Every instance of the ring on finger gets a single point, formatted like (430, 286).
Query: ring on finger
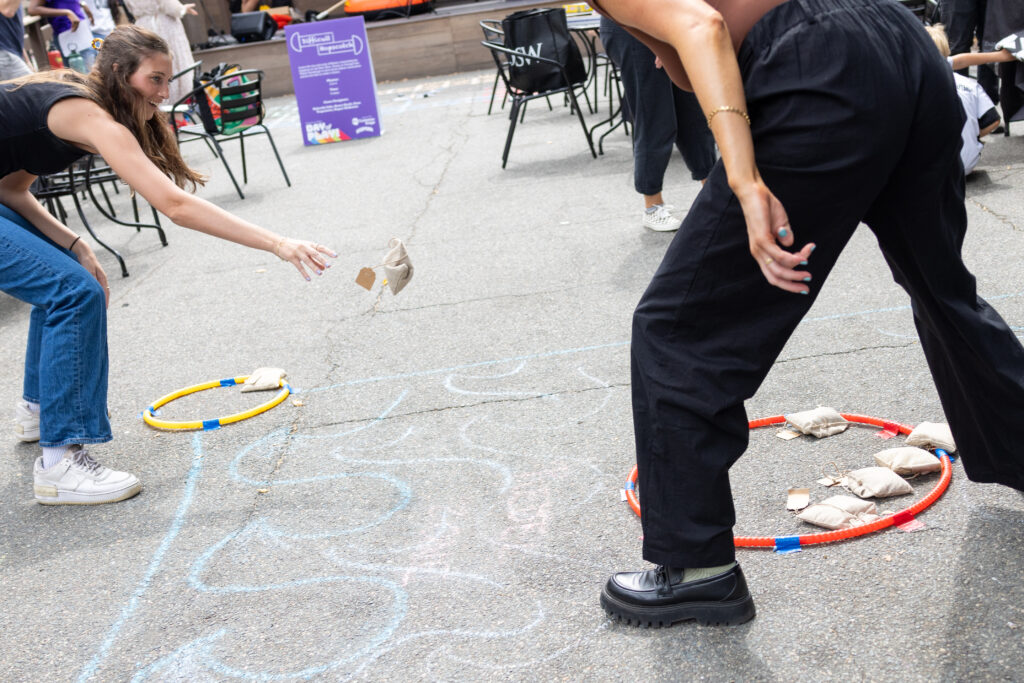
(768, 261)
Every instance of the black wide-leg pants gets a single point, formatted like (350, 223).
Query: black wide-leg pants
(855, 119)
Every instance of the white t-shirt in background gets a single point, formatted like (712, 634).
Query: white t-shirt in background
(977, 105)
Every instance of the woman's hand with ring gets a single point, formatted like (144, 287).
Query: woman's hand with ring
(303, 255)
(769, 231)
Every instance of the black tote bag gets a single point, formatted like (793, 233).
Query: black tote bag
(541, 33)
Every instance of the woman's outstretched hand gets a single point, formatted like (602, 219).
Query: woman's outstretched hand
(768, 228)
(303, 255)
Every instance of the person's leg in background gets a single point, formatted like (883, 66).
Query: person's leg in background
(965, 21)
(65, 366)
(693, 137)
(648, 93)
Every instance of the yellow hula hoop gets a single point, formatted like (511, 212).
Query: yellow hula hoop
(215, 423)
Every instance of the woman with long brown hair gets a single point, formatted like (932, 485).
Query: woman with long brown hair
(47, 121)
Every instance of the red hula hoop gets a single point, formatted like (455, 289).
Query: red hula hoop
(900, 517)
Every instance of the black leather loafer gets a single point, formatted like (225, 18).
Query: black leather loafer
(658, 597)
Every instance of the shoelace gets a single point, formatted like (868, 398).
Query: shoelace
(661, 575)
(86, 461)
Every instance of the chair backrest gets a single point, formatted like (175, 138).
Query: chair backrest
(542, 33)
(493, 32)
(241, 100)
(229, 99)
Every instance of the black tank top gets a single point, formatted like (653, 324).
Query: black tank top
(26, 144)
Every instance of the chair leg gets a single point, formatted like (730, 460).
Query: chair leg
(583, 124)
(278, 156)
(231, 175)
(106, 197)
(494, 91)
(81, 215)
(241, 146)
(138, 224)
(159, 228)
(511, 130)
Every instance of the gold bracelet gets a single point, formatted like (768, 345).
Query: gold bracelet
(278, 246)
(734, 110)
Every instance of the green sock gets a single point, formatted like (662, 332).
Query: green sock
(705, 572)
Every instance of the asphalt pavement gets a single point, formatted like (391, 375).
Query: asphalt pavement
(442, 496)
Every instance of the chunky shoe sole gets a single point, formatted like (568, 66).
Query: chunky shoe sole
(732, 613)
(50, 495)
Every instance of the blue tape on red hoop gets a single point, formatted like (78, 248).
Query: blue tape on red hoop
(629, 486)
(939, 452)
(787, 544)
(211, 424)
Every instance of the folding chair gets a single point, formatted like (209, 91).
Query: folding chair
(240, 116)
(522, 92)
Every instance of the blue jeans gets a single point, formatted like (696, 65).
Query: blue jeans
(66, 360)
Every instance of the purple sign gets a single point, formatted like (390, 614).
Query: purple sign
(333, 78)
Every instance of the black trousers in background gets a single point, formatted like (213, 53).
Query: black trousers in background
(662, 114)
(965, 20)
(855, 118)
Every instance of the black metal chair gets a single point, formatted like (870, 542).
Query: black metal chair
(82, 178)
(240, 117)
(521, 92)
(493, 33)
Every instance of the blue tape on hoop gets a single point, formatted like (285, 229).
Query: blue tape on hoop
(629, 486)
(939, 452)
(211, 424)
(229, 382)
(787, 544)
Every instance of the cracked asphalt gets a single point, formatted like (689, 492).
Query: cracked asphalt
(442, 496)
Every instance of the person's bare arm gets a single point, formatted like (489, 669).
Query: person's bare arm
(966, 59)
(38, 8)
(250, 5)
(989, 128)
(85, 124)
(699, 37)
(9, 8)
(15, 194)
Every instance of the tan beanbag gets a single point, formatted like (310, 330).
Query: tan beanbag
(840, 512)
(932, 435)
(908, 460)
(876, 482)
(820, 422)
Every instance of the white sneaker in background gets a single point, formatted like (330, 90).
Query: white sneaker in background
(26, 422)
(660, 219)
(79, 480)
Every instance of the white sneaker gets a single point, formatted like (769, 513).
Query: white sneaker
(79, 480)
(661, 219)
(26, 422)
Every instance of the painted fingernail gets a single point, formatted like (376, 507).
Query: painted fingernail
(803, 263)
(307, 278)
(807, 279)
(813, 247)
(783, 232)
(803, 292)
(320, 272)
